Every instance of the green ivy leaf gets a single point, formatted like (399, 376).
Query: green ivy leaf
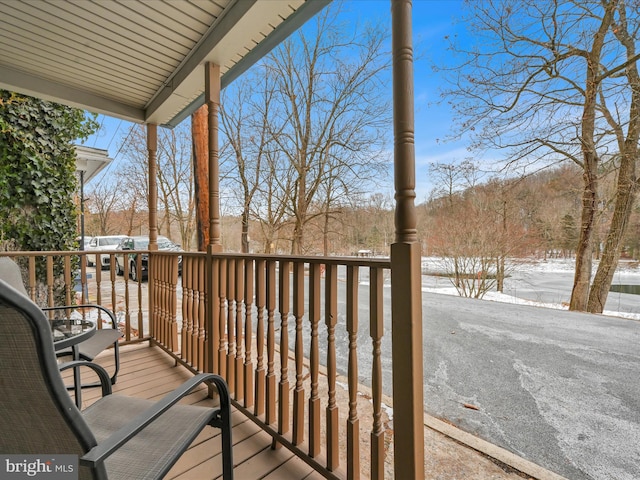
(37, 170)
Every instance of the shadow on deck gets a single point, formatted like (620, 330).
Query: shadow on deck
(148, 372)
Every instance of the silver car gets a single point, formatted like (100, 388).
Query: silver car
(141, 243)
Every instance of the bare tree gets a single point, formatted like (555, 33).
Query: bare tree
(374, 218)
(453, 177)
(557, 80)
(244, 120)
(105, 200)
(451, 180)
(175, 177)
(271, 198)
(504, 201)
(175, 181)
(464, 239)
(325, 121)
(332, 117)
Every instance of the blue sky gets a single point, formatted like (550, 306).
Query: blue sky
(432, 20)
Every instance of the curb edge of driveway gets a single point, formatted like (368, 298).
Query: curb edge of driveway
(498, 453)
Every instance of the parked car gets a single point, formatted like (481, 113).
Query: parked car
(105, 242)
(85, 245)
(141, 243)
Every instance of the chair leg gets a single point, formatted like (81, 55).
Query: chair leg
(227, 448)
(223, 421)
(116, 356)
(77, 387)
(116, 359)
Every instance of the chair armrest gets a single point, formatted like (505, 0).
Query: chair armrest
(100, 452)
(105, 380)
(110, 314)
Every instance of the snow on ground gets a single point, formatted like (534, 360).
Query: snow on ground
(630, 270)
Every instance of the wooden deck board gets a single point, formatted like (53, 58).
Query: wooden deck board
(293, 467)
(148, 372)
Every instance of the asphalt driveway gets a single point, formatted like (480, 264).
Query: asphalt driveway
(559, 388)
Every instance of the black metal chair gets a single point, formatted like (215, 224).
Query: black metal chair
(101, 340)
(117, 437)
(88, 349)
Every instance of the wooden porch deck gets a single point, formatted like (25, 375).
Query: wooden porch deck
(148, 372)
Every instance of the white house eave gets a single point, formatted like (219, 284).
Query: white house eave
(27, 84)
(64, 54)
(286, 28)
(91, 161)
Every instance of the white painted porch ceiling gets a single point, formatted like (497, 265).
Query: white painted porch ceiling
(141, 60)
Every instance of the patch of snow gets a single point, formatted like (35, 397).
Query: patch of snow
(555, 265)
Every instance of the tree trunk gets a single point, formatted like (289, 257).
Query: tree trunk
(627, 185)
(244, 235)
(625, 197)
(199, 130)
(325, 235)
(584, 252)
(296, 241)
(500, 273)
(500, 264)
(131, 213)
(301, 214)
